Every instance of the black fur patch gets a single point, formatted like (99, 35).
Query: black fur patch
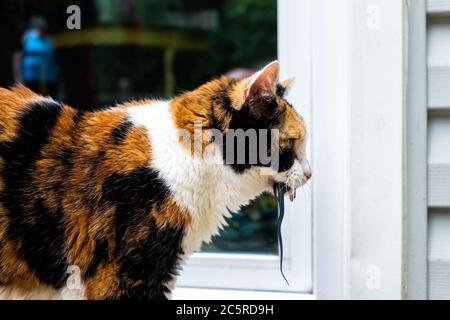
(78, 116)
(37, 230)
(145, 264)
(281, 91)
(43, 245)
(220, 100)
(255, 115)
(120, 132)
(287, 158)
(101, 254)
(155, 261)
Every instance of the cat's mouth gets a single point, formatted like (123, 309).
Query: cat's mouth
(290, 185)
(289, 181)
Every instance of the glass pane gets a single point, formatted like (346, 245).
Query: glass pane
(131, 49)
(252, 230)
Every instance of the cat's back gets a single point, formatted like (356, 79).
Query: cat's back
(55, 164)
(12, 102)
(27, 122)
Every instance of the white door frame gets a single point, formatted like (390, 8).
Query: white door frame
(417, 227)
(359, 78)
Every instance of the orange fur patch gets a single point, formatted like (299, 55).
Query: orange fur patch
(103, 282)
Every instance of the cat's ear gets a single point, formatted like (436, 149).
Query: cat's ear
(263, 82)
(260, 84)
(284, 86)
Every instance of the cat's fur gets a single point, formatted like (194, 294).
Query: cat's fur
(116, 196)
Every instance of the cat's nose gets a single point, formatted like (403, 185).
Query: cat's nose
(307, 175)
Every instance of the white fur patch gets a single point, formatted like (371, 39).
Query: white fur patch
(13, 293)
(209, 191)
(45, 293)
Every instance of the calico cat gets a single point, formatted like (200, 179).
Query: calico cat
(119, 196)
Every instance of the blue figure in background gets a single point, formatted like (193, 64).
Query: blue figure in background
(38, 70)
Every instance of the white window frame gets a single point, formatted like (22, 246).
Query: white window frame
(258, 271)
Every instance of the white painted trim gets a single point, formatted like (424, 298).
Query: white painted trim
(330, 108)
(359, 148)
(258, 272)
(417, 231)
(294, 38)
(378, 149)
(220, 294)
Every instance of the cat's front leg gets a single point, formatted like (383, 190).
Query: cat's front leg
(109, 284)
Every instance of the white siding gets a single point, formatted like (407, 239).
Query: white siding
(439, 254)
(439, 149)
(438, 7)
(439, 162)
(439, 63)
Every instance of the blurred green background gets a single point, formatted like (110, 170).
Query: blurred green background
(130, 49)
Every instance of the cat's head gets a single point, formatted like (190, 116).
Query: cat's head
(255, 113)
(258, 130)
